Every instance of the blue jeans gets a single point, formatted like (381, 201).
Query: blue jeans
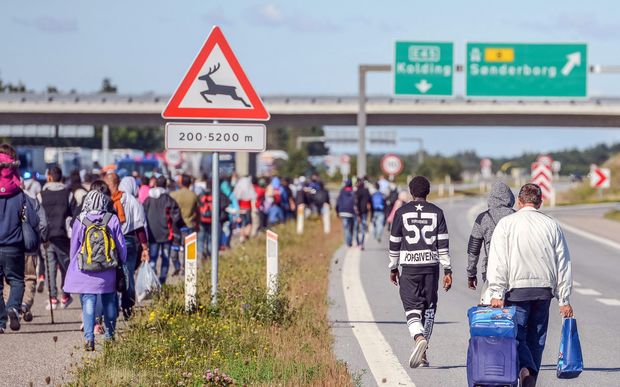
(110, 313)
(12, 265)
(359, 229)
(347, 224)
(532, 320)
(128, 297)
(378, 220)
(204, 240)
(154, 252)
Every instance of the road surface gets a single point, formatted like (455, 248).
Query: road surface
(372, 337)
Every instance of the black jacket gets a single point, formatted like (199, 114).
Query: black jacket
(55, 200)
(163, 216)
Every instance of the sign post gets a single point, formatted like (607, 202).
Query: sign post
(272, 263)
(301, 215)
(600, 177)
(191, 271)
(526, 70)
(423, 68)
(215, 88)
(542, 175)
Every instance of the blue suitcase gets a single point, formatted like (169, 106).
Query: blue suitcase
(492, 361)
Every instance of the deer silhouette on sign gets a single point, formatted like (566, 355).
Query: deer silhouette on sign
(215, 89)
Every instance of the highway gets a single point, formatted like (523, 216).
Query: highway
(372, 337)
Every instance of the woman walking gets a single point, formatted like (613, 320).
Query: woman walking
(97, 246)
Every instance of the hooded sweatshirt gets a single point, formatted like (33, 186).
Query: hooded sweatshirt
(163, 216)
(501, 200)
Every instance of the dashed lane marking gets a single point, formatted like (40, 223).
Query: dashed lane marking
(588, 292)
(609, 301)
(592, 237)
(385, 367)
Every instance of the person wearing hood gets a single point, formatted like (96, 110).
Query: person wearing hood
(246, 195)
(133, 230)
(501, 201)
(14, 205)
(233, 214)
(163, 218)
(56, 201)
(345, 210)
(91, 284)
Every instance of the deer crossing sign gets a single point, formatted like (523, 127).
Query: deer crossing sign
(216, 87)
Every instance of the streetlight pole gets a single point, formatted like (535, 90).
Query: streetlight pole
(361, 114)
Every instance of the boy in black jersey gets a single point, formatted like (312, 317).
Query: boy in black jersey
(419, 243)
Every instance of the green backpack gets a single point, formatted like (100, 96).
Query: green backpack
(98, 251)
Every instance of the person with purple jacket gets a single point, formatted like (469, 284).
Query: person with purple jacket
(89, 284)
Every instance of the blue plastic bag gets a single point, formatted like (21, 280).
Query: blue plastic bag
(570, 360)
(492, 322)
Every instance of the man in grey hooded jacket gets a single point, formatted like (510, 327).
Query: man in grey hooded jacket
(501, 200)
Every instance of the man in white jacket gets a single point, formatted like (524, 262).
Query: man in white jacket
(529, 264)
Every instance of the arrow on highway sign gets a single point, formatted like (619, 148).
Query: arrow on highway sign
(600, 178)
(216, 87)
(423, 86)
(574, 59)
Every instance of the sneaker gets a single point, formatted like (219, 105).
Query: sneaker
(14, 319)
(41, 284)
(52, 303)
(89, 346)
(66, 300)
(26, 313)
(425, 362)
(418, 351)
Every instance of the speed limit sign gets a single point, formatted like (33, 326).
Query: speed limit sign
(391, 165)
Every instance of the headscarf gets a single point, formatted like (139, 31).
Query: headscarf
(128, 185)
(9, 175)
(94, 203)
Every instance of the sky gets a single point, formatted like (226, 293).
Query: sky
(297, 48)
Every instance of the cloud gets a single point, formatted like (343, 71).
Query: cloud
(217, 16)
(48, 24)
(270, 15)
(583, 25)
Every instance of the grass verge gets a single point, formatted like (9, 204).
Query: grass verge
(613, 215)
(248, 337)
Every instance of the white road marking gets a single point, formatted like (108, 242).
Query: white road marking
(575, 283)
(474, 211)
(592, 237)
(609, 301)
(588, 292)
(383, 363)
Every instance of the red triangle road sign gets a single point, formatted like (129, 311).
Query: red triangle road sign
(216, 87)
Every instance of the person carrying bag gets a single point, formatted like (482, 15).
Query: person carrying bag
(97, 250)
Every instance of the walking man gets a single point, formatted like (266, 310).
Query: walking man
(378, 213)
(529, 264)
(362, 208)
(501, 200)
(163, 220)
(56, 201)
(419, 243)
(345, 209)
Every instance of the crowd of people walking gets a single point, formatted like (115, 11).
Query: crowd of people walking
(87, 234)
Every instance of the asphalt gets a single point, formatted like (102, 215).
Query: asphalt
(596, 301)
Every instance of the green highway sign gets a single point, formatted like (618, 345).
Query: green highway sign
(526, 70)
(423, 68)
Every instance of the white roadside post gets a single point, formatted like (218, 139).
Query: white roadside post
(191, 271)
(301, 215)
(272, 263)
(327, 224)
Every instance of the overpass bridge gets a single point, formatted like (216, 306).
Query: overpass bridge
(145, 110)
